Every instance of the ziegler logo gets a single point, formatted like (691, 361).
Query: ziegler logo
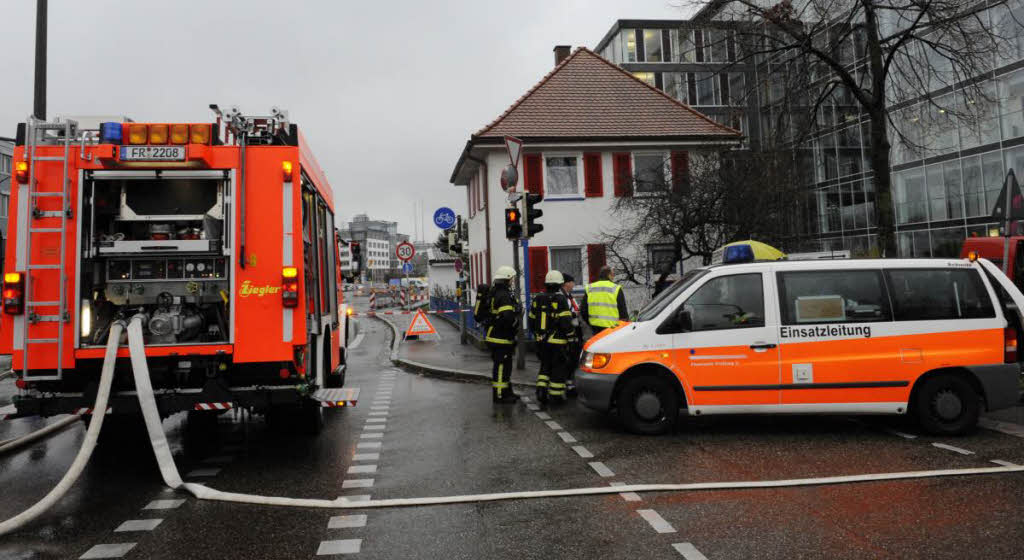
(248, 289)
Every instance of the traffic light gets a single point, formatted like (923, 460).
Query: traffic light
(454, 244)
(513, 225)
(532, 227)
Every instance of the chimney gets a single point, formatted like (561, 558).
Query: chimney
(562, 53)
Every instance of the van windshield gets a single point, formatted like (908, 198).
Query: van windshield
(658, 304)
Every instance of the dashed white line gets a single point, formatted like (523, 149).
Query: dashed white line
(1004, 463)
(566, 437)
(164, 504)
(582, 451)
(368, 445)
(628, 496)
(366, 457)
(357, 483)
(374, 435)
(108, 550)
(903, 435)
(379, 407)
(656, 521)
(138, 525)
(347, 546)
(688, 551)
(543, 415)
(198, 473)
(379, 413)
(533, 407)
(952, 448)
(601, 469)
(346, 521)
(376, 420)
(554, 425)
(357, 469)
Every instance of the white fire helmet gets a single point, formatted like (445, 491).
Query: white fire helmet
(504, 273)
(554, 277)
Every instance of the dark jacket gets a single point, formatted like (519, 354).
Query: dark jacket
(551, 315)
(504, 316)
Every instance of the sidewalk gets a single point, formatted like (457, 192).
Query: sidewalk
(446, 357)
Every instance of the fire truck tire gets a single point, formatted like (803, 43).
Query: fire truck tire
(200, 424)
(310, 417)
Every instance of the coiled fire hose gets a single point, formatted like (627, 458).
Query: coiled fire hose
(172, 477)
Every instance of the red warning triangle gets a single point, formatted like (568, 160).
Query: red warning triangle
(420, 325)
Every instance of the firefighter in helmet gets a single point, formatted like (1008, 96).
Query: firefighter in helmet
(551, 314)
(503, 326)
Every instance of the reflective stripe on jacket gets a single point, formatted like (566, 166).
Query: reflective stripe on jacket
(603, 303)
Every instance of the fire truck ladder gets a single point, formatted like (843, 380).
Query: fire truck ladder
(62, 134)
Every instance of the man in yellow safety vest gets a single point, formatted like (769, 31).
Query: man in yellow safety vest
(604, 304)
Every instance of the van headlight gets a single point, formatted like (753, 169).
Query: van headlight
(592, 360)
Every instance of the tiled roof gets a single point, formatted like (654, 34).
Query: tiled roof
(587, 96)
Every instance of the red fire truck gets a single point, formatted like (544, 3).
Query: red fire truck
(220, 234)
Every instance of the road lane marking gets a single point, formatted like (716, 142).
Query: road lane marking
(356, 341)
(368, 445)
(376, 420)
(951, 448)
(1004, 463)
(582, 451)
(108, 550)
(138, 525)
(533, 407)
(628, 496)
(688, 551)
(379, 413)
(566, 437)
(357, 469)
(601, 469)
(903, 435)
(346, 546)
(543, 415)
(656, 521)
(554, 425)
(198, 473)
(346, 521)
(366, 456)
(1005, 427)
(357, 483)
(374, 435)
(379, 407)
(164, 504)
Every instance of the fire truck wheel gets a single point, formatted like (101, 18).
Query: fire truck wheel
(310, 417)
(648, 405)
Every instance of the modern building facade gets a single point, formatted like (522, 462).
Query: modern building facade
(946, 174)
(592, 133)
(378, 240)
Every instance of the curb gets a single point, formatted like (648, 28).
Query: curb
(438, 371)
(6, 374)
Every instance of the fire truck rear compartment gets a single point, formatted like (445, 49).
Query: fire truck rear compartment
(156, 245)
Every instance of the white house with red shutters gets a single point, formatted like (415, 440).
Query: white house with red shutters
(591, 132)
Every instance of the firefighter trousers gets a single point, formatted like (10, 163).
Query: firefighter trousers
(501, 372)
(554, 369)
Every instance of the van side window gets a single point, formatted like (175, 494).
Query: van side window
(727, 302)
(832, 296)
(920, 294)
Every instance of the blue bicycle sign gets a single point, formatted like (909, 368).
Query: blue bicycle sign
(444, 217)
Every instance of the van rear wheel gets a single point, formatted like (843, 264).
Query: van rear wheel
(947, 405)
(648, 405)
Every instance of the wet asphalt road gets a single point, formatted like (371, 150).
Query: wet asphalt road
(446, 438)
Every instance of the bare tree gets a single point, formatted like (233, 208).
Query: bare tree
(723, 197)
(868, 58)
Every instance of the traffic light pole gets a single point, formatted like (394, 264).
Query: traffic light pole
(520, 345)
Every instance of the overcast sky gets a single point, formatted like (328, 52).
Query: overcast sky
(387, 92)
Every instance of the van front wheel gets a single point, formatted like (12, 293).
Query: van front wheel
(947, 405)
(648, 405)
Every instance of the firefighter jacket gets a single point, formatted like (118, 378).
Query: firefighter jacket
(504, 317)
(604, 304)
(552, 317)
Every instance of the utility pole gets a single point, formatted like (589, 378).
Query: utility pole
(39, 105)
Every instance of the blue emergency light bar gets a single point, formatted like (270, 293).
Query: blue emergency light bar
(110, 133)
(738, 254)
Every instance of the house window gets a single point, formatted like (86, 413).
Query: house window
(708, 92)
(568, 260)
(651, 172)
(661, 259)
(629, 45)
(646, 77)
(684, 47)
(562, 176)
(652, 45)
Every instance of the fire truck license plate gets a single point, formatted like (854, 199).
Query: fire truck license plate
(152, 153)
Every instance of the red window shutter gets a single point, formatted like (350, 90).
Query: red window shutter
(680, 171)
(533, 172)
(595, 260)
(538, 268)
(623, 170)
(592, 180)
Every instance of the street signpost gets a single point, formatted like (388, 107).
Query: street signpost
(405, 252)
(514, 146)
(509, 179)
(444, 217)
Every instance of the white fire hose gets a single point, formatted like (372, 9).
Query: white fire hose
(172, 478)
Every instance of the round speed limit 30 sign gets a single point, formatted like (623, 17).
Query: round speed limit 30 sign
(405, 251)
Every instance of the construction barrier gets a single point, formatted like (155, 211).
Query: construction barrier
(406, 312)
